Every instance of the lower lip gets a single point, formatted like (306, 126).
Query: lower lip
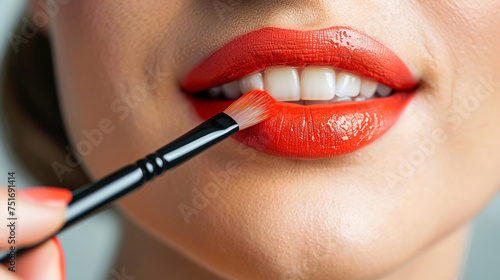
(316, 131)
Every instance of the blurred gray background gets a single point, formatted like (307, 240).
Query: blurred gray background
(90, 245)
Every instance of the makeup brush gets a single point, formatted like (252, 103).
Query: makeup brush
(251, 109)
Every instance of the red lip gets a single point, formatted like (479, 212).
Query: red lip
(313, 131)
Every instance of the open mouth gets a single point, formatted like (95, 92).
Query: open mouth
(339, 89)
(304, 86)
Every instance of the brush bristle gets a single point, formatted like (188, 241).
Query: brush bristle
(252, 108)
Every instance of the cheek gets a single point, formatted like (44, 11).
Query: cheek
(467, 95)
(470, 30)
(110, 75)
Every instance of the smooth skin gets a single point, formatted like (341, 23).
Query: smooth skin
(396, 209)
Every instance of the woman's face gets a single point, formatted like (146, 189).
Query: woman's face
(250, 214)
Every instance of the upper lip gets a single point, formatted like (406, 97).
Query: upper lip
(339, 47)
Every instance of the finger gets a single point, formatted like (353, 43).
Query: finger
(36, 214)
(45, 262)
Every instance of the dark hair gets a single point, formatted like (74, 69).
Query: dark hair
(33, 124)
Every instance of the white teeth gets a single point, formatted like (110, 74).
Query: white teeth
(231, 90)
(383, 90)
(317, 83)
(282, 83)
(251, 82)
(368, 88)
(307, 86)
(214, 92)
(348, 85)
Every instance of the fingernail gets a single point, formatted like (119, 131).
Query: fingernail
(62, 260)
(56, 197)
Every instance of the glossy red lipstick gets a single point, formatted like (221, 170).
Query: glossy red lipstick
(308, 131)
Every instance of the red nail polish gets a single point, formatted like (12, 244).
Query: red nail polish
(62, 260)
(47, 195)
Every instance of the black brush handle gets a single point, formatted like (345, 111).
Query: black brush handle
(95, 196)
